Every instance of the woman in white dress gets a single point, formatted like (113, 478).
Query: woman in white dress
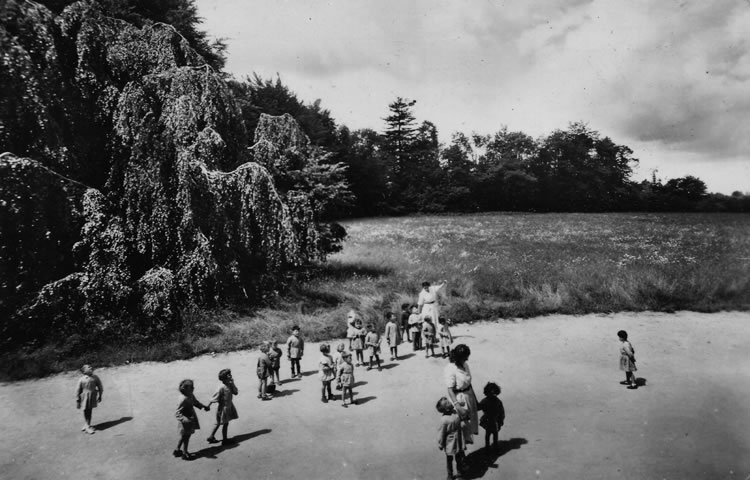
(429, 300)
(458, 381)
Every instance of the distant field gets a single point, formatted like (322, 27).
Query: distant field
(497, 266)
(508, 265)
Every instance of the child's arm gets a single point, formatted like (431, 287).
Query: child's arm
(99, 387)
(442, 434)
(215, 397)
(233, 387)
(199, 404)
(501, 414)
(79, 390)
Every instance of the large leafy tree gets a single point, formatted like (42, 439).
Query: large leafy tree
(177, 214)
(580, 171)
(181, 14)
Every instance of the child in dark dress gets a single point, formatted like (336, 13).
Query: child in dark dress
(494, 414)
(187, 420)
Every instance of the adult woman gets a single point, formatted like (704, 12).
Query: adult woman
(429, 300)
(458, 381)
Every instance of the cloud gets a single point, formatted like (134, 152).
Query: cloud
(661, 72)
(671, 77)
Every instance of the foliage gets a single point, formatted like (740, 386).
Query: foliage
(163, 208)
(182, 15)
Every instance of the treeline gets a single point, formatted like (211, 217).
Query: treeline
(405, 168)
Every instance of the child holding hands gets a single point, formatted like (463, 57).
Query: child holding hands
(186, 418)
(226, 411)
(88, 396)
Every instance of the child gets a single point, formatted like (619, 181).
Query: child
(494, 414)
(326, 372)
(450, 436)
(372, 342)
(405, 313)
(392, 335)
(295, 348)
(358, 342)
(415, 327)
(627, 360)
(88, 396)
(263, 370)
(428, 337)
(226, 411)
(345, 375)
(446, 339)
(351, 319)
(274, 353)
(338, 357)
(186, 418)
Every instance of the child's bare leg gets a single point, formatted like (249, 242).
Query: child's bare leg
(212, 438)
(486, 439)
(494, 439)
(395, 352)
(225, 431)
(330, 392)
(87, 416)
(370, 366)
(185, 442)
(323, 393)
(449, 465)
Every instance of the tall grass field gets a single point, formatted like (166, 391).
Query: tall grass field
(497, 266)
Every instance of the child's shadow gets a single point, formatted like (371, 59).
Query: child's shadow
(211, 452)
(284, 393)
(307, 374)
(408, 355)
(388, 366)
(359, 384)
(112, 423)
(363, 400)
(478, 462)
(640, 381)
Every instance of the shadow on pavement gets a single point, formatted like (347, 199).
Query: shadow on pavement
(112, 423)
(363, 400)
(212, 452)
(285, 393)
(478, 462)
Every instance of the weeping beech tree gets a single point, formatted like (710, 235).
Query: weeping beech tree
(129, 191)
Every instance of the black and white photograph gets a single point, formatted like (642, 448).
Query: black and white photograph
(374, 240)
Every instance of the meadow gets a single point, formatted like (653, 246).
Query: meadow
(498, 266)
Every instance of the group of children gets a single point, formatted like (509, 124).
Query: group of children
(452, 432)
(421, 332)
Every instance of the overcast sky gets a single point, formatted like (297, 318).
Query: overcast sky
(670, 79)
